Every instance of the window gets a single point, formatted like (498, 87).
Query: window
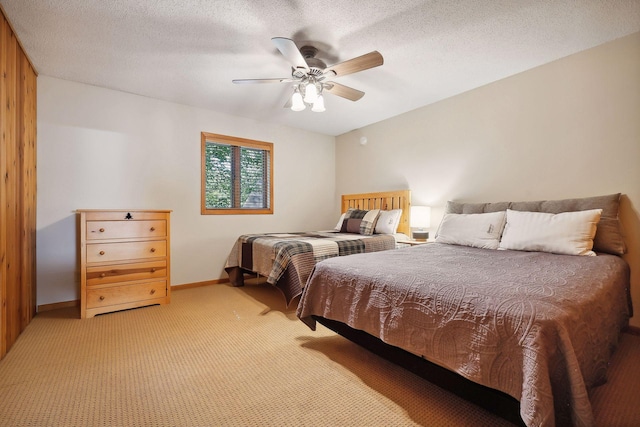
(237, 175)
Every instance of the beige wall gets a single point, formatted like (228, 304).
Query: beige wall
(570, 128)
(100, 148)
(567, 129)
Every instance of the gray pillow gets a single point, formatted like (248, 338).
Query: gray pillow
(608, 237)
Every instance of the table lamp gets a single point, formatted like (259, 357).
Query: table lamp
(420, 219)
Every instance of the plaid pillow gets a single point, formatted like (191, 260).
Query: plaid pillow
(360, 221)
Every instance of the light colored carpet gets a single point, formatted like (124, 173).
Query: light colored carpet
(223, 356)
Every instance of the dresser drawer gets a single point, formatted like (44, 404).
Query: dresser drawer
(126, 294)
(124, 272)
(122, 215)
(103, 252)
(125, 229)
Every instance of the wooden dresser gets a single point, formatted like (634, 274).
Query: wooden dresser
(124, 259)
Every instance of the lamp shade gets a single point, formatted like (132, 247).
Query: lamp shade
(310, 93)
(420, 217)
(318, 106)
(296, 102)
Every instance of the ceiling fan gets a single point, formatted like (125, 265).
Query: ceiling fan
(310, 75)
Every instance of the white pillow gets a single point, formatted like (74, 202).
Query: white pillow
(338, 226)
(481, 230)
(569, 233)
(388, 221)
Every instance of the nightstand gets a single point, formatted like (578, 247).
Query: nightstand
(413, 242)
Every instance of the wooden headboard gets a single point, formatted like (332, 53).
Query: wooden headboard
(385, 200)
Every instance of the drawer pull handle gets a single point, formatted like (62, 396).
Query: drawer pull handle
(101, 298)
(153, 229)
(101, 252)
(153, 249)
(153, 291)
(153, 270)
(101, 230)
(103, 275)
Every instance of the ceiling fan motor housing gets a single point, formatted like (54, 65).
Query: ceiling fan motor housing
(316, 65)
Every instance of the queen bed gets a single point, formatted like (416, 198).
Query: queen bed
(370, 222)
(502, 299)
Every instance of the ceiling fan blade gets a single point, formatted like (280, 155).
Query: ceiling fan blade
(343, 91)
(290, 51)
(364, 62)
(250, 81)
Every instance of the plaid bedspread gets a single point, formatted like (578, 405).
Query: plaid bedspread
(270, 255)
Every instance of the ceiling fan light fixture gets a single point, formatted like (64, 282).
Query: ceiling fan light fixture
(318, 106)
(296, 102)
(309, 74)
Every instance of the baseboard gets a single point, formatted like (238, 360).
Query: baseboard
(57, 305)
(198, 284)
(76, 303)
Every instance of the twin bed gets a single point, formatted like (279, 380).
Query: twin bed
(286, 259)
(502, 299)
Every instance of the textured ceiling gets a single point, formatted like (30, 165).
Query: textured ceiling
(188, 51)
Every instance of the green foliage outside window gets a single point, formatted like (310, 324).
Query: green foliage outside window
(236, 175)
(218, 185)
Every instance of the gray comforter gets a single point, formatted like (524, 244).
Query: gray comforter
(537, 326)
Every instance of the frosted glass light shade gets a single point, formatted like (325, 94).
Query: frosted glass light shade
(318, 106)
(310, 93)
(296, 102)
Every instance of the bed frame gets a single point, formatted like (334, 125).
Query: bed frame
(386, 200)
(492, 400)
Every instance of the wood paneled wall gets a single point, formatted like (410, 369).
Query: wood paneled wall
(17, 188)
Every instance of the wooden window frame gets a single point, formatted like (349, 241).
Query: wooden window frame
(236, 142)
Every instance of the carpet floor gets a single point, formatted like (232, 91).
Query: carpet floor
(224, 356)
